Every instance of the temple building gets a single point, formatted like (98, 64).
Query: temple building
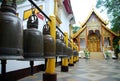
(94, 34)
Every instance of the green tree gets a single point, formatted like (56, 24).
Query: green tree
(113, 10)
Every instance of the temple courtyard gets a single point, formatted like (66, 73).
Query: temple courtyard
(85, 70)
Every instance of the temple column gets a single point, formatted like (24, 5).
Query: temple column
(111, 42)
(102, 38)
(86, 39)
(78, 43)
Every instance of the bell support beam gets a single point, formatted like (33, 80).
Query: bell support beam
(50, 74)
(64, 67)
(71, 58)
(31, 67)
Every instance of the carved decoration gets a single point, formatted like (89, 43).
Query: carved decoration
(94, 23)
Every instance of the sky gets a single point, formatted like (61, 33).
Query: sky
(81, 9)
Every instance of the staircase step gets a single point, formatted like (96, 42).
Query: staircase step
(97, 55)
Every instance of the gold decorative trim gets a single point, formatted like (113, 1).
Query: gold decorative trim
(55, 7)
(58, 20)
(56, 2)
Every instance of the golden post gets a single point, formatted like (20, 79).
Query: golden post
(50, 68)
(74, 57)
(64, 67)
(66, 42)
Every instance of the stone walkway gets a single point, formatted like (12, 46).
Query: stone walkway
(86, 70)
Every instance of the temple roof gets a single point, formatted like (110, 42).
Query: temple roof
(78, 32)
(109, 30)
(89, 15)
(81, 29)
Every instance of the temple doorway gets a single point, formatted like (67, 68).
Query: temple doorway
(93, 43)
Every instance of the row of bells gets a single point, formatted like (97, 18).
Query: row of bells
(29, 44)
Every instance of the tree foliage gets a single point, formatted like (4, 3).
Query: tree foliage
(113, 10)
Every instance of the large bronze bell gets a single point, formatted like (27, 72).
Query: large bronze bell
(59, 48)
(70, 52)
(49, 43)
(64, 48)
(32, 40)
(75, 53)
(11, 32)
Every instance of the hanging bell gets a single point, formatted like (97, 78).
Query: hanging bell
(75, 52)
(69, 53)
(32, 40)
(49, 43)
(11, 34)
(59, 48)
(64, 48)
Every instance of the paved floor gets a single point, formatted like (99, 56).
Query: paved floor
(86, 70)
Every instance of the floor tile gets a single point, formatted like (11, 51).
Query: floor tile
(85, 70)
(110, 79)
(92, 76)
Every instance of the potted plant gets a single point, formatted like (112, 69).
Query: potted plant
(87, 53)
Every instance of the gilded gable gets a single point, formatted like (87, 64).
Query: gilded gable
(93, 23)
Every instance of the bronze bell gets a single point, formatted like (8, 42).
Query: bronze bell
(64, 48)
(75, 52)
(69, 50)
(11, 32)
(49, 43)
(32, 40)
(59, 48)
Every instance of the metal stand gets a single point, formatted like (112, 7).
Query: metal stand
(64, 68)
(31, 67)
(45, 64)
(49, 77)
(3, 70)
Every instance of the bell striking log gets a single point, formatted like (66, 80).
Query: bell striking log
(32, 40)
(49, 43)
(11, 33)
